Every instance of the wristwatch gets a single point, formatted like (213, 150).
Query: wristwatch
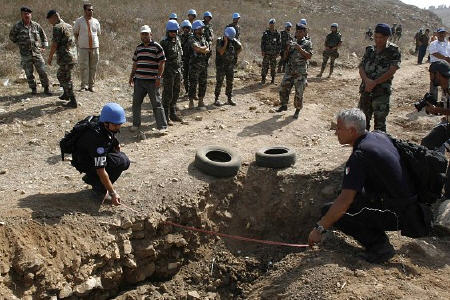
(320, 228)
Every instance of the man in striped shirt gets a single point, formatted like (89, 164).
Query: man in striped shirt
(148, 65)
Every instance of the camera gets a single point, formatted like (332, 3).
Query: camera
(428, 98)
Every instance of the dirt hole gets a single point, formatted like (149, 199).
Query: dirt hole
(218, 156)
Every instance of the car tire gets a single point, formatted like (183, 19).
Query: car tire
(217, 161)
(276, 157)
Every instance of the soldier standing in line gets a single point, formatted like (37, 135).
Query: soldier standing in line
(31, 39)
(286, 37)
(227, 51)
(63, 43)
(192, 14)
(198, 65)
(398, 32)
(173, 16)
(270, 47)
(171, 45)
(235, 24)
(299, 51)
(393, 29)
(332, 43)
(208, 30)
(377, 69)
(185, 37)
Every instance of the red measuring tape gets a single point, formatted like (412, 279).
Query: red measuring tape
(236, 237)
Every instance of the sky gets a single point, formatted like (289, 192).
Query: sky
(426, 3)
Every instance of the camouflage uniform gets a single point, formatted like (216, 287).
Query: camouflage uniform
(296, 73)
(375, 65)
(286, 37)
(198, 68)
(208, 33)
(66, 54)
(172, 74)
(30, 41)
(237, 27)
(270, 46)
(186, 56)
(332, 40)
(225, 65)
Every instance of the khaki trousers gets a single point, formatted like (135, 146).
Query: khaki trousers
(88, 60)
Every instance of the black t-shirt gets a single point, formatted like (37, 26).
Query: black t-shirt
(93, 146)
(375, 167)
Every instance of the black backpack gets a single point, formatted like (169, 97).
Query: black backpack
(426, 168)
(68, 142)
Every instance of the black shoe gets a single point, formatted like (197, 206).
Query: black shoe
(231, 102)
(263, 80)
(47, 91)
(173, 116)
(282, 108)
(72, 103)
(64, 96)
(34, 91)
(297, 111)
(217, 103)
(380, 253)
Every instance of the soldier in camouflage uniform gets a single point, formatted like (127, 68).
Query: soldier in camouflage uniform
(299, 51)
(198, 64)
(377, 69)
(270, 47)
(185, 37)
(332, 43)
(171, 45)
(236, 17)
(208, 30)
(63, 43)
(227, 51)
(286, 37)
(31, 39)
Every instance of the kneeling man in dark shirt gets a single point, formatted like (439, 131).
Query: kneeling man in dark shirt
(377, 194)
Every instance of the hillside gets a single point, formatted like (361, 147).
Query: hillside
(443, 13)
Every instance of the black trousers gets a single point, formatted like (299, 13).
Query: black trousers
(435, 141)
(421, 55)
(116, 163)
(366, 221)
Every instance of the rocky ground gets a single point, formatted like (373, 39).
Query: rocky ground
(57, 240)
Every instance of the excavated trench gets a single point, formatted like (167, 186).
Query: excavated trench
(91, 260)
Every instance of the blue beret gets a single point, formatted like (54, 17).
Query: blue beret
(383, 28)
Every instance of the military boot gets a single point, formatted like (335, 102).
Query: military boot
(191, 103)
(321, 71)
(166, 113)
(173, 115)
(201, 104)
(273, 80)
(263, 80)
(64, 95)
(331, 71)
(217, 102)
(33, 91)
(297, 111)
(282, 108)
(47, 91)
(72, 103)
(231, 102)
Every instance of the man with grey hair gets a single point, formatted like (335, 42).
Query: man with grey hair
(377, 194)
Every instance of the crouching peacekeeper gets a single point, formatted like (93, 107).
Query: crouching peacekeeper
(439, 136)
(332, 43)
(63, 43)
(227, 51)
(377, 194)
(171, 45)
(377, 69)
(98, 153)
(298, 53)
(32, 41)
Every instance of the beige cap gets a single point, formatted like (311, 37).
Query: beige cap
(146, 28)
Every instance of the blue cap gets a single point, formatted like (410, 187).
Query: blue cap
(172, 25)
(236, 15)
(173, 16)
(230, 32)
(383, 28)
(186, 23)
(112, 113)
(441, 29)
(197, 25)
(288, 24)
(303, 21)
(272, 21)
(207, 14)
(192, 12)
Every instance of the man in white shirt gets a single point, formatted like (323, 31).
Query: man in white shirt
(86, 31)
(439, 51)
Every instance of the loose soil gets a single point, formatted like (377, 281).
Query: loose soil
(57, 240)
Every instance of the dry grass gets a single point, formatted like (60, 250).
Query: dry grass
(121, 20)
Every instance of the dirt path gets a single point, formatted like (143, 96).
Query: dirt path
(35, 185)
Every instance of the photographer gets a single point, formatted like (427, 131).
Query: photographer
(437, 138)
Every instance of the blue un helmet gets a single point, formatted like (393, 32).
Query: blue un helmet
(207, 14)
(172, 25)
(335, 25)
(287, 24)
(185, 23)
(112, 113)
(192, 12)
(230, 32)
(197, 25)
(173, 16)
(236, 16)
(303, 21)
